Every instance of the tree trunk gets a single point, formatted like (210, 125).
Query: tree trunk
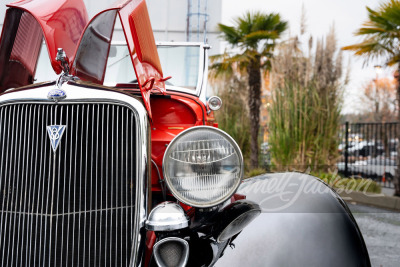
(396, 178)
(254, 83)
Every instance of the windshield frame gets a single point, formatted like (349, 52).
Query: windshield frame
(202, 68)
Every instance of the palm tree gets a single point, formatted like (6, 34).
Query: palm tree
(253, 38)
(381, 41)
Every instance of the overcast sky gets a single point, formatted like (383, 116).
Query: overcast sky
(347, 15)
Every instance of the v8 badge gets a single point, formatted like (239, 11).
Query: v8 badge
(55, 133)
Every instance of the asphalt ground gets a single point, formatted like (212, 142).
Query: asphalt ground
(381, 231)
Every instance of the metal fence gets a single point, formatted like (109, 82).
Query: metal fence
(369, 150)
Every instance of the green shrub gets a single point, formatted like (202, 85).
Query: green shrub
(306, 91)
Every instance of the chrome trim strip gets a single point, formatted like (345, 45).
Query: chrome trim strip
(1, 168)
(204, 85)
(6, 183)
(90, 96)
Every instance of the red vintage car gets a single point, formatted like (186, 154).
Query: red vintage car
(119, 162)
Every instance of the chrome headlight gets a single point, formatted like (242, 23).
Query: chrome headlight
(214, 103)
(203, 166)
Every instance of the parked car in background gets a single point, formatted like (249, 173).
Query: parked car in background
(374, 168)
(115, 163)
(366, 148)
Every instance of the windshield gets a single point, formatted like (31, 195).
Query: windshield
(44, 70)
(182, 63)
(179, 62)
(119, 66)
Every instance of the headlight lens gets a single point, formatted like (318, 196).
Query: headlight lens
(203, 166)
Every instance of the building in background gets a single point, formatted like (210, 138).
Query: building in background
(186, 20)
(172, 20)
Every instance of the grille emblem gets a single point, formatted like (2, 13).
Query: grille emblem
(55, 133)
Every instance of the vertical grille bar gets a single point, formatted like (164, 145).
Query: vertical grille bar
(93, 120)
(13, 162)
(71, 207)
(102, 206)
(56, 196)
(129, 179)
(85, 187)
(107, 189)
(28, 186)
(4, 167)
(3, 123)
(74, 188)
(112, 186)
(45, 199)
(42, 163)
(96, 194)
(63, 228)
(116, 185)
(69, 227)
(23, 191)
(80, 181)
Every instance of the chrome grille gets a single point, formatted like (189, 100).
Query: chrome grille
(74, 207)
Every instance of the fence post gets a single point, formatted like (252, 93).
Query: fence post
(346, 151)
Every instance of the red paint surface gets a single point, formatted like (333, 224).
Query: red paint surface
(236, 197)
(172, 116)
(62, 22)
(139, 37)
(150, 241)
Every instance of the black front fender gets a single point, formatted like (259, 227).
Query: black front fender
(303, 223)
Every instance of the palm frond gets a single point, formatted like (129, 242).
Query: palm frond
(229, 34)
(260, 35)
(370, 30)
(270, 22)
(369, 46)
(245, 23)
(253, 28)
(393, 60)
(226, 64)
(381, 34)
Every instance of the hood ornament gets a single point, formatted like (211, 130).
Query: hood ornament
(63, 60)
(55, 133)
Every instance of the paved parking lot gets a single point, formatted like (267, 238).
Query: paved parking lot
(381, 231)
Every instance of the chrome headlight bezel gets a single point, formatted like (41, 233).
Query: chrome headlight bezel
(212, 202)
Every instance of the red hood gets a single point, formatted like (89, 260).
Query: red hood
(60, 22)
(92, 52)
